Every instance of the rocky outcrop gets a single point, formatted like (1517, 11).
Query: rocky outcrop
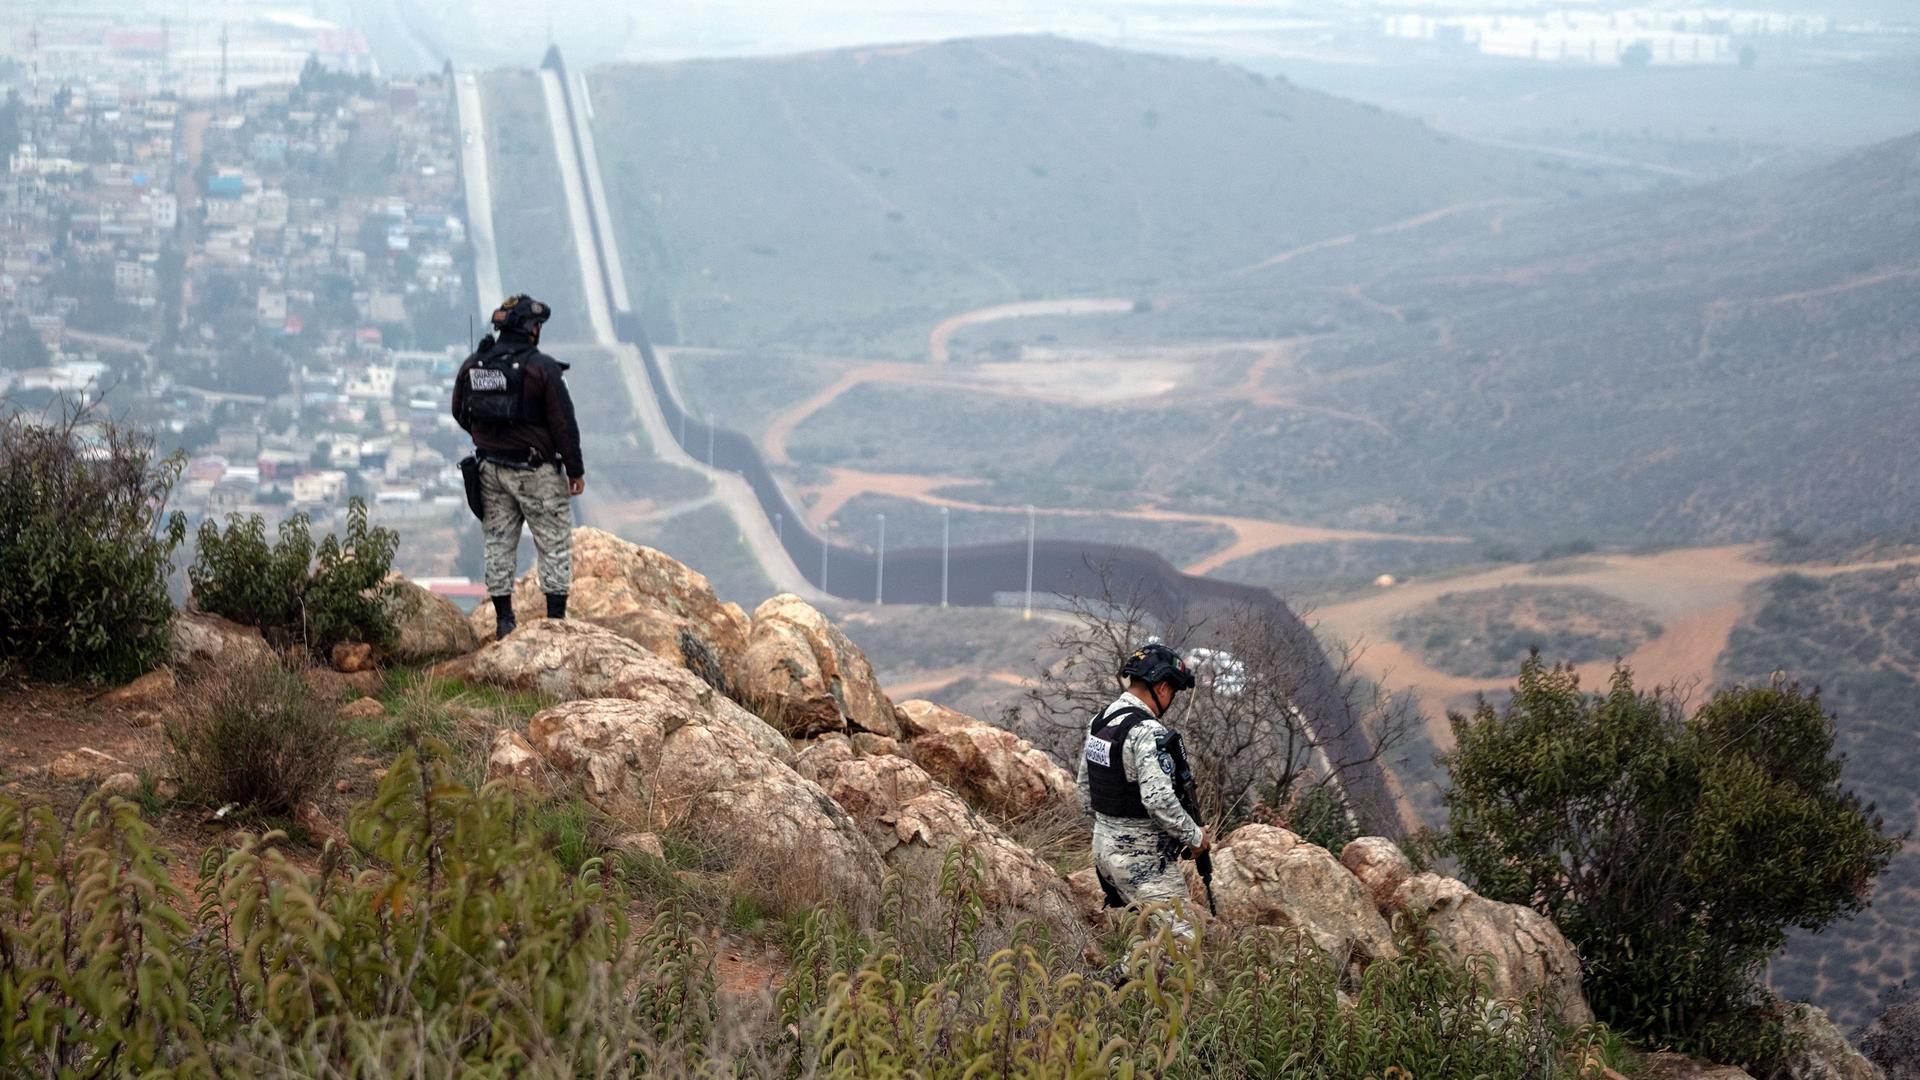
(569, 660)
(1267, 876)
(642, 594)
(1380, 865)
(429, 628)
(211, 642)
(802, 674)
(912, 821)
(683, 766)
(1522, 952)
(1823, 1052)
(511, 757)
(1892, 1040)
(995, 770)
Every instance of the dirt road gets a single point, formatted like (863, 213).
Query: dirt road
(1698, 595)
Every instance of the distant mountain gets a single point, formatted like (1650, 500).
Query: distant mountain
(851, 199)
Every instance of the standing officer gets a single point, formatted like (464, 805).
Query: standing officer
(1127, 770)
(512, 399)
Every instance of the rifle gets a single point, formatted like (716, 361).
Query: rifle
(1187, 788)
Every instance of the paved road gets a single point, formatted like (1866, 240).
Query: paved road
(733, 491)
(475, 178)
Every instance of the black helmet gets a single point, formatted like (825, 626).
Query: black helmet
(521, 314)
(1154, 663)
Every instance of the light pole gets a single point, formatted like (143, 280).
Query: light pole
(880, 567)
(1029, 611)
(826, 545)
(946, 546)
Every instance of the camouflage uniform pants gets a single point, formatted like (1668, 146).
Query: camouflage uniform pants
(539, 498)
(1143, 866)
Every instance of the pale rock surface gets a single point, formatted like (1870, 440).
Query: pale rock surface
(642, 594)
(640, 843)
(156, 687)
(993, 769)
(682, 765)
(1267, 876)
(917, 718)
(913, 821)
(569, 660)
(1825, 1053)
(123, 784)
(806, 677)
(1380, 865)
(511, 757)
(365, 708)
(429, 628)
(1528, 952)
(1084, 884)
(867, 744)
(211, 641)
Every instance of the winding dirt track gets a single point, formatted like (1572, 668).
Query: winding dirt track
(1250, 535)
(1698, 595)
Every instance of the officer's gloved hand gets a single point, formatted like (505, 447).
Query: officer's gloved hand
(1205, 845)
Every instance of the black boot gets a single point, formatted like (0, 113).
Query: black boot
(556, 605)
(503, 622)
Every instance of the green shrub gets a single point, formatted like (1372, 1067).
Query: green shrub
(1674, 853)
(463, 948)
(84, 550)
(295, 593)
(257, 737)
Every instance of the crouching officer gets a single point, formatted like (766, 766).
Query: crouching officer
(512, 399)
(1127, 777)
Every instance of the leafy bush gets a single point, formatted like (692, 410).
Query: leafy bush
(1674, 853)
(295, 593)
(463, 948)
(257, 737)
(84, 552)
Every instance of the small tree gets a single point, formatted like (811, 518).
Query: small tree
(1674, 853)
(1249, 741)
(85, 546)
(295, 593)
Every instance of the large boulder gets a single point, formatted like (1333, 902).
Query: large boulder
(913, 821)
(1823, 1052)
(429, 627)
(685, 767)
(642, 594)
(568, 660)
(993, 769)
(1267, 876)
(802, 674)
(1527, 953)
(1381, 866)
(203, 641)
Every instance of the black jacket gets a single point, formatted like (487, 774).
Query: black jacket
(555, 438)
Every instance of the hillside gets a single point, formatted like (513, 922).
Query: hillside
(1700, 366)
(845, 200)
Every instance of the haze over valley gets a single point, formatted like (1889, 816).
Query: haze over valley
(1461, 329)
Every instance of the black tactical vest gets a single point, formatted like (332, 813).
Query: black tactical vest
(494, 384)
(1108, 788)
